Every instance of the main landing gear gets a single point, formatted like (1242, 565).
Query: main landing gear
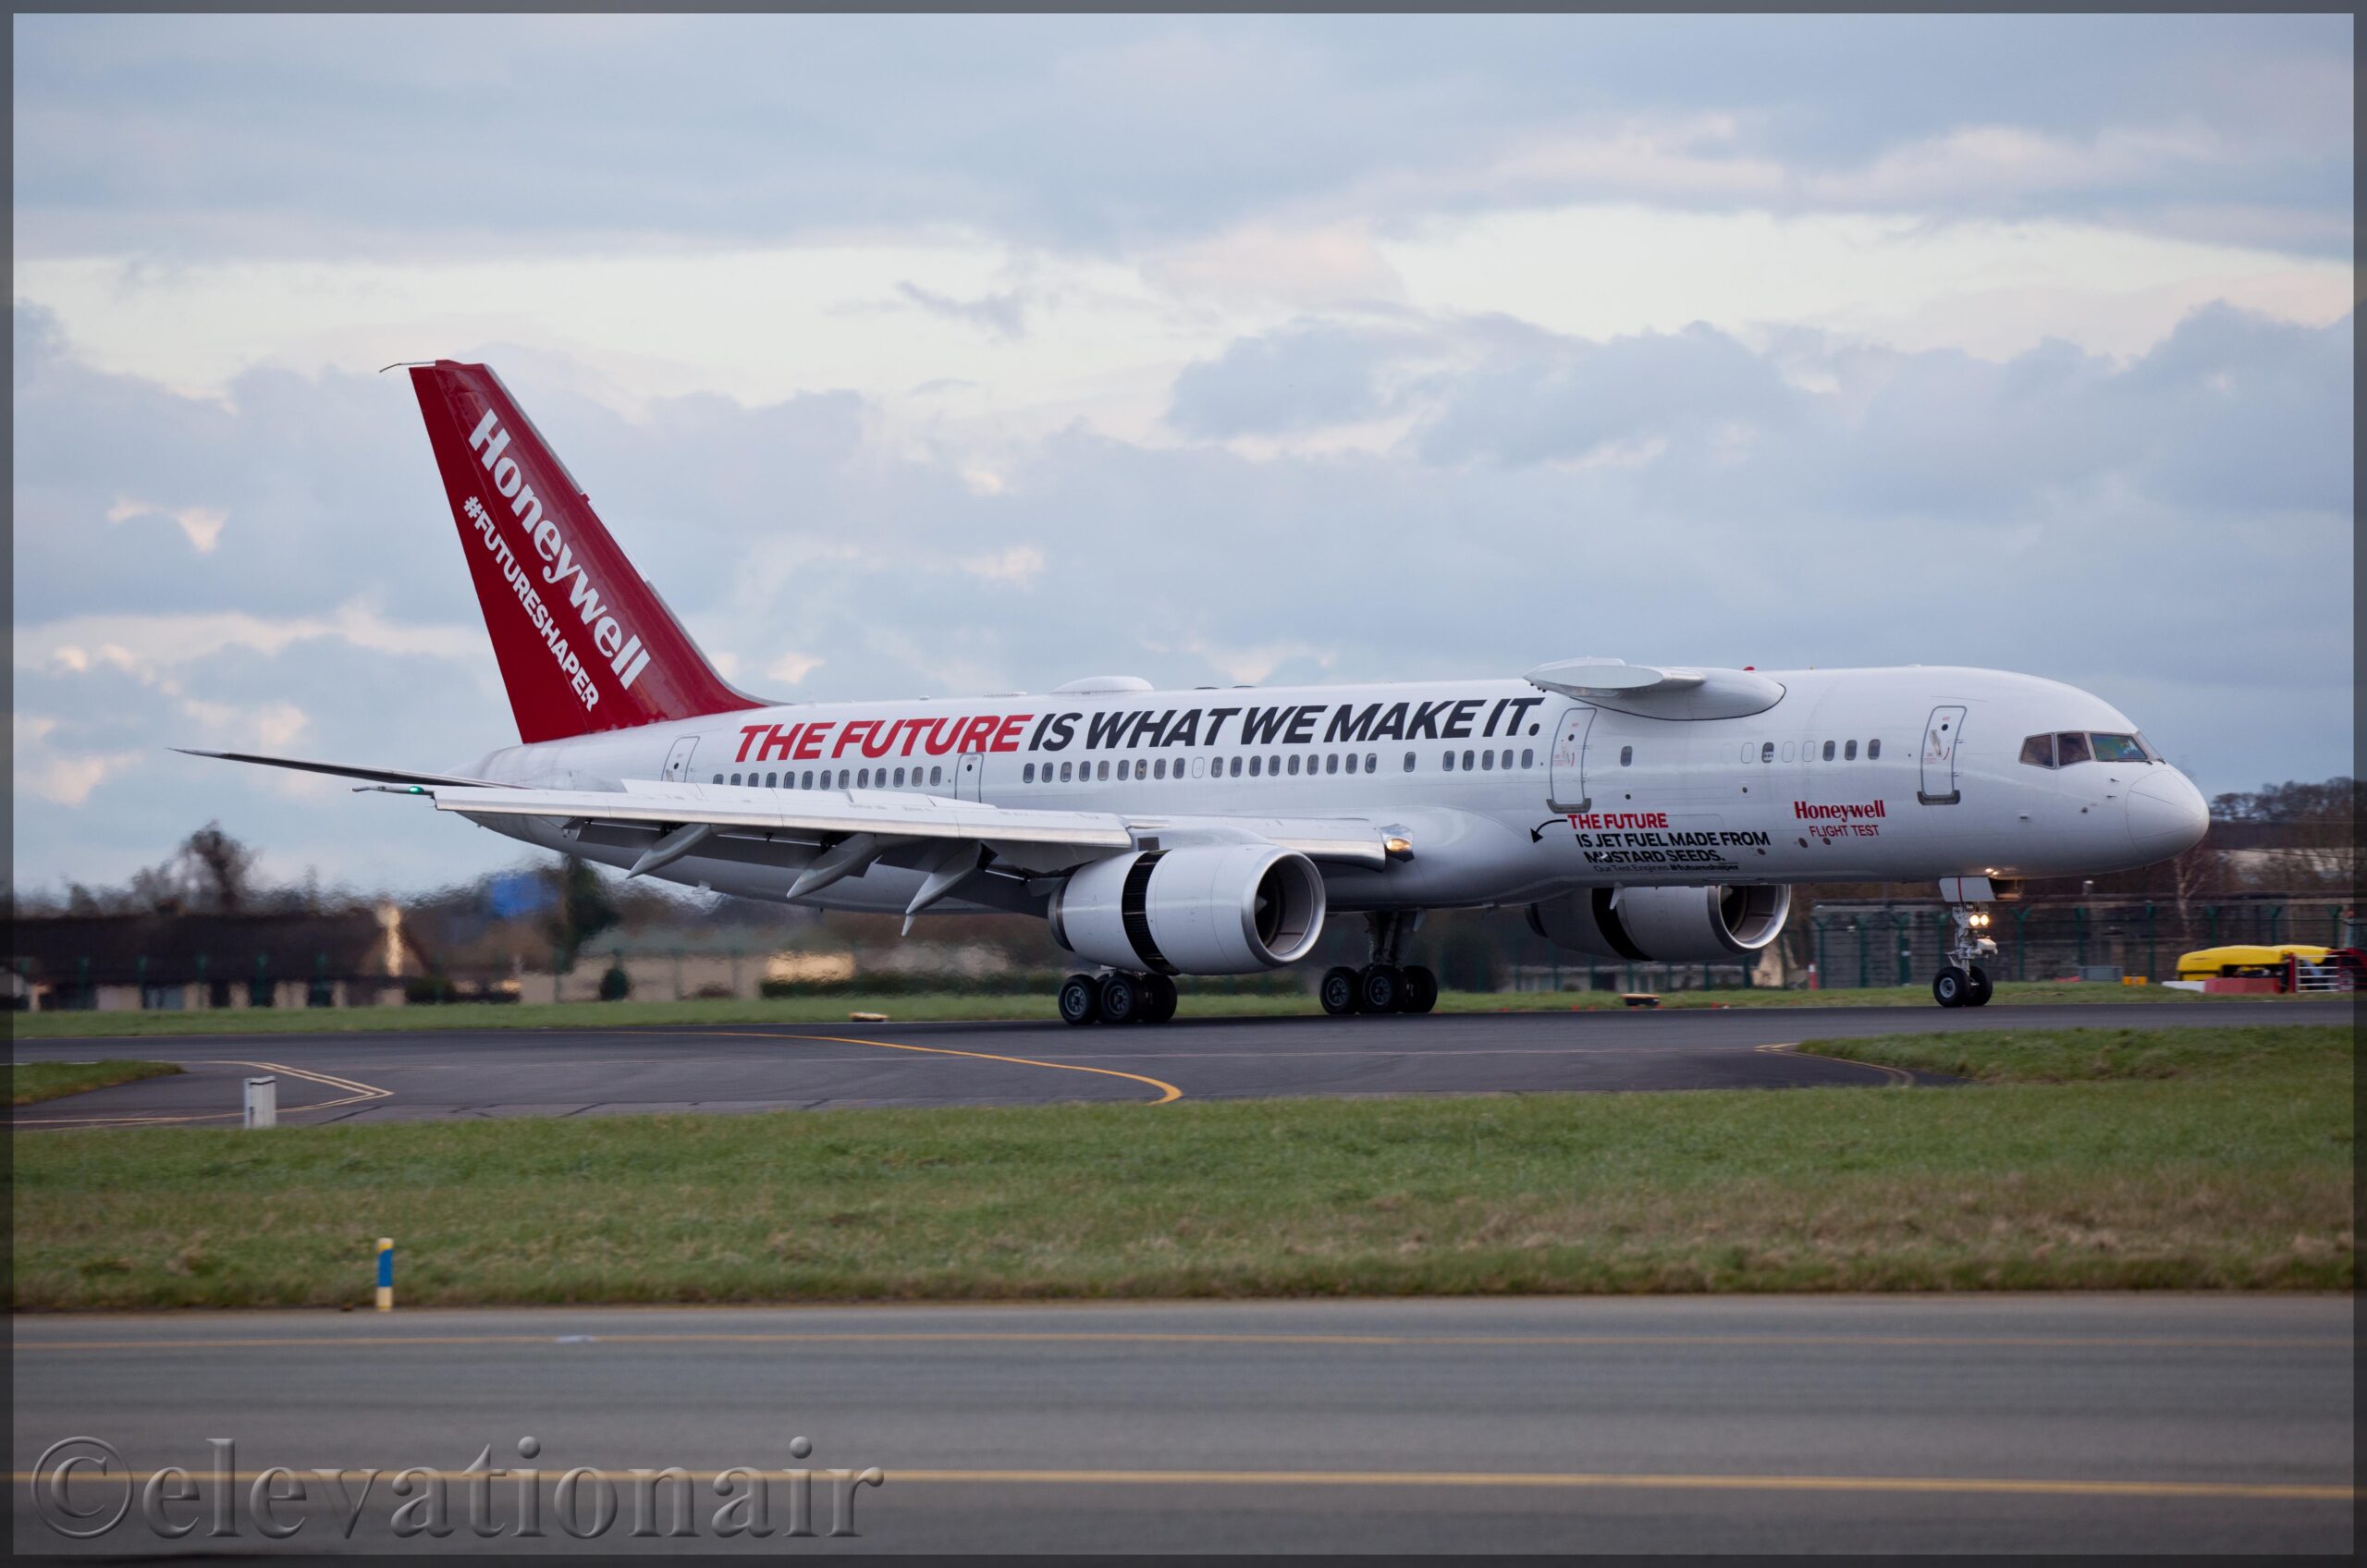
(1117, 997)
(1964, 983)
(1382, 984)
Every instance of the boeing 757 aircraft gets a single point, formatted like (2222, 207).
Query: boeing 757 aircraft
(1652, 813)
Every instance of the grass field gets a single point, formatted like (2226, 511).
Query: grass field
(32, 1082)
(2195, 1158)
(956, 1004)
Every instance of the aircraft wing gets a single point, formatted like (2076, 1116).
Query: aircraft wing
(343, 770)
(685, 814)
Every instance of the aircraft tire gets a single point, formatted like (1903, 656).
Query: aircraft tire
(1979, 987)
(1160, 1000)
(1380, 988)
(1950, 986)
(1122, 997)
(1421, 990)
(1338, 991)
(1080, 999)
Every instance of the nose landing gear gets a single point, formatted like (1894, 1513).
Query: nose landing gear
(1964, 983)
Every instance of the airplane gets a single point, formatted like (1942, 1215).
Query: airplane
(1646, 812)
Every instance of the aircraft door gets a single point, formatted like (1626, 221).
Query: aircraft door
(968, 772)
(1568, 778)
(678, 761)
(1941, 734)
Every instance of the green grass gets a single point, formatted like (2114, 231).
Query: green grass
(2273, 1054)
(2220, 1160)
(32, 1082)
(957, 1005)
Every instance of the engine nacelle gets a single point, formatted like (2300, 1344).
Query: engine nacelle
(1664, 925)
(1220, 908)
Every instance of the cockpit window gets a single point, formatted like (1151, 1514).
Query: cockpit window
(2039, 751)
(2069, 747)
(2118, 748)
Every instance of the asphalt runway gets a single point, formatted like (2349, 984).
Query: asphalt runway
(501, 1072)
(2135, 1423)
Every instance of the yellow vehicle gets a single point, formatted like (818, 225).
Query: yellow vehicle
(2209, 963)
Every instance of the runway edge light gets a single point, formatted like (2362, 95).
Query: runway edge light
(385, 1273)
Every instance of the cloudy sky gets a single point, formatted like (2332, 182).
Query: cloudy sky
(930, 355)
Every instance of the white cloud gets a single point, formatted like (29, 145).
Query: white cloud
(793, 668)
(1991, 288)
(152, 645)
(1019, 565)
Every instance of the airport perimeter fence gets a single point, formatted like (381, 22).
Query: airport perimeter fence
(1870, 944)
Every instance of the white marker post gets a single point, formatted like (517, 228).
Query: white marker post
(262, 1102)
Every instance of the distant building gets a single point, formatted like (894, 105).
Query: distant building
(119, 962)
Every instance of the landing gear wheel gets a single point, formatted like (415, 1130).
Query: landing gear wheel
(1978, 989)
(1380, 988)
(1080, 999)
(1421, 989)
(1121, 998)
(1160, 1003)
(1950, 986)
(1339, 991)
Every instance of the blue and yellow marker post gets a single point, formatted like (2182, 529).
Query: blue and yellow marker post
(385, 1274)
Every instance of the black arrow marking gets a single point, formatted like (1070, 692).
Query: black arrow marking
(1537, 833)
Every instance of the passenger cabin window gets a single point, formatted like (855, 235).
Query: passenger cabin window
(1828, 751)
(1065, 772)
(1447, 762)
(2071, 746)
(1331, 763)
(1528, 758)
(1159, 768)
(1767, 751)
(1409, 765)
(1027, 774)
(1467, 762)
(1873, 750)
(1372, 762)
(2118, 748)
(1626, 756)
(719, 778)
(1849, 752)
(2038, 751)
(735, 778)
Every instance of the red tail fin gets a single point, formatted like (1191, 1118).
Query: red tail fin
(584, 643)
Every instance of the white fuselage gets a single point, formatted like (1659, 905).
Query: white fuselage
(1505, 794)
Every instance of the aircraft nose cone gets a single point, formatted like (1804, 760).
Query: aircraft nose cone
(2167, 813)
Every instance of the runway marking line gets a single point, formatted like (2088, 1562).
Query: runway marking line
(1166, 1091)
(1892, 1077)
(1545, 1480)
(1056, 1336)
(356, 1093)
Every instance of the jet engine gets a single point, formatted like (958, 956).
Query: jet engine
(1664, 925)
(1220, 908)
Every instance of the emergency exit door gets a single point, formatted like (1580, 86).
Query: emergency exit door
(968, 773)
(678, 761)
(1940, 732)
(1567, 781)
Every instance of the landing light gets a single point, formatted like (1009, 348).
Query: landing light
(1398, 849)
